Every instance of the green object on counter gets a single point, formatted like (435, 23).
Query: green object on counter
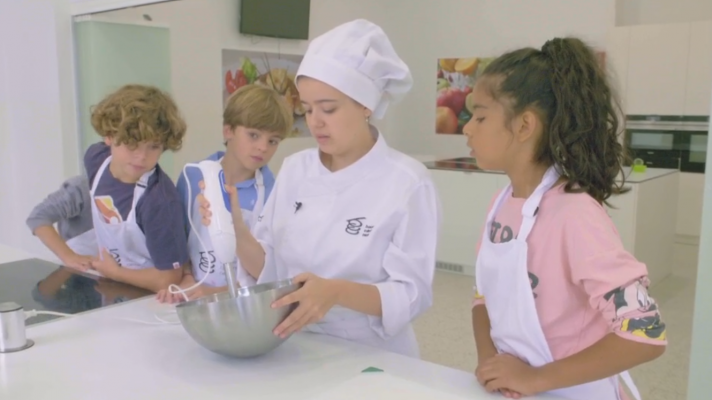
(639, 165)
(372, 369)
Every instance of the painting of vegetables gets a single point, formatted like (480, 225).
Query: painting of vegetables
(270, 69)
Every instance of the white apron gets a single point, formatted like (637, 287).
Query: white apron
(306, 231)
(502, 278)
(203, 259)
(124, 241)
(84, 244)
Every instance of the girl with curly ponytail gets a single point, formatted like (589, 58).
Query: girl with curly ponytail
(560, 306)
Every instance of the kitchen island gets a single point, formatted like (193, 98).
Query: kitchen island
(121, 351)
(646, 216)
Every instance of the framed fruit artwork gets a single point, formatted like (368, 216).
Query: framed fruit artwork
(453, 106)
(240, 68)
(456, 78)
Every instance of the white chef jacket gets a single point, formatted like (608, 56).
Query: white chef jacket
(374, 222)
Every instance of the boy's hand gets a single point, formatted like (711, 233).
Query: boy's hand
(76, 261)
(200, 291)
(106, 266)
(204, 204)
(164, 296)
(234, 204)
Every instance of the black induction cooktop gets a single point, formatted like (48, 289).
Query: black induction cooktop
(40, 285)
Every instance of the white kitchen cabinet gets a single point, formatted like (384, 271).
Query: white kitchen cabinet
(642, 217)
(689, 206)
(644, 222)
(623, 218)
(699, 70)
(465, 198)
(617, 49)
(657, 69)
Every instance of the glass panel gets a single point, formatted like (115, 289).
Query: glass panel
(652, 140)
(110, 55)
(698, 148)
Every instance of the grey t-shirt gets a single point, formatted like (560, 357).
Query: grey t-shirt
(69, 207)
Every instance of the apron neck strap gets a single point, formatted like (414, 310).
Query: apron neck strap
(531, 206)
(259, 203)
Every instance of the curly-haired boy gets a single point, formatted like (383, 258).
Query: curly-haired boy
(137, 211)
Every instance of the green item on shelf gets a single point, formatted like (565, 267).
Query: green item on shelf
(639, 165)
(372, 369)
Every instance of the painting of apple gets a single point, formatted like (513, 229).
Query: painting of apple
(452, 98)
(445, 120)
(455, 79)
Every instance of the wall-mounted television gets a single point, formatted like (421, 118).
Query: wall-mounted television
(285, 19)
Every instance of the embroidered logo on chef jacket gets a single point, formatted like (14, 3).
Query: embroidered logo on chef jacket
(357, 226)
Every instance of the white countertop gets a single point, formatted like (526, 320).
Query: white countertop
(98, 355)
(631, 177)
(101, 355)
(9, 254)
(649, 174)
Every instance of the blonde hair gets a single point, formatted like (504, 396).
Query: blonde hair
(139, 113)
(259, 107)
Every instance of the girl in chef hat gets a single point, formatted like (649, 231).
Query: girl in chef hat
(560, 306)
(353, 220)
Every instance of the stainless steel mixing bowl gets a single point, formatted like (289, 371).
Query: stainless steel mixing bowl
(241, 326)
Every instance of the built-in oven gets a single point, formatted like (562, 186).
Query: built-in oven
(676, 143)
(693, 153)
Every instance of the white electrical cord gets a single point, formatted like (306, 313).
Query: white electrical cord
(34, 313)
(173, 288)
(161, 321)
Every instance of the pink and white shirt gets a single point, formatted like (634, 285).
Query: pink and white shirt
(585, 284)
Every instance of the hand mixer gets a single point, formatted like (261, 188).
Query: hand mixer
(222, 235)
(221, 228)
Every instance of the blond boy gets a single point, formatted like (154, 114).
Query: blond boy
(255, 120)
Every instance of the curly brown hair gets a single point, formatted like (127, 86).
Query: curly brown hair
(566, 86)
(139, 113)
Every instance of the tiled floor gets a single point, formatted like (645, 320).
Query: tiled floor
(445, 332)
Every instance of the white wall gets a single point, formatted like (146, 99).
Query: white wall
(80, 7)
(645, 12)
(38, 100)
(199, 31)
(37, 116)
(456, 28)
(325, 15)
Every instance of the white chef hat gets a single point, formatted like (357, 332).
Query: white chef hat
(358, 59)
